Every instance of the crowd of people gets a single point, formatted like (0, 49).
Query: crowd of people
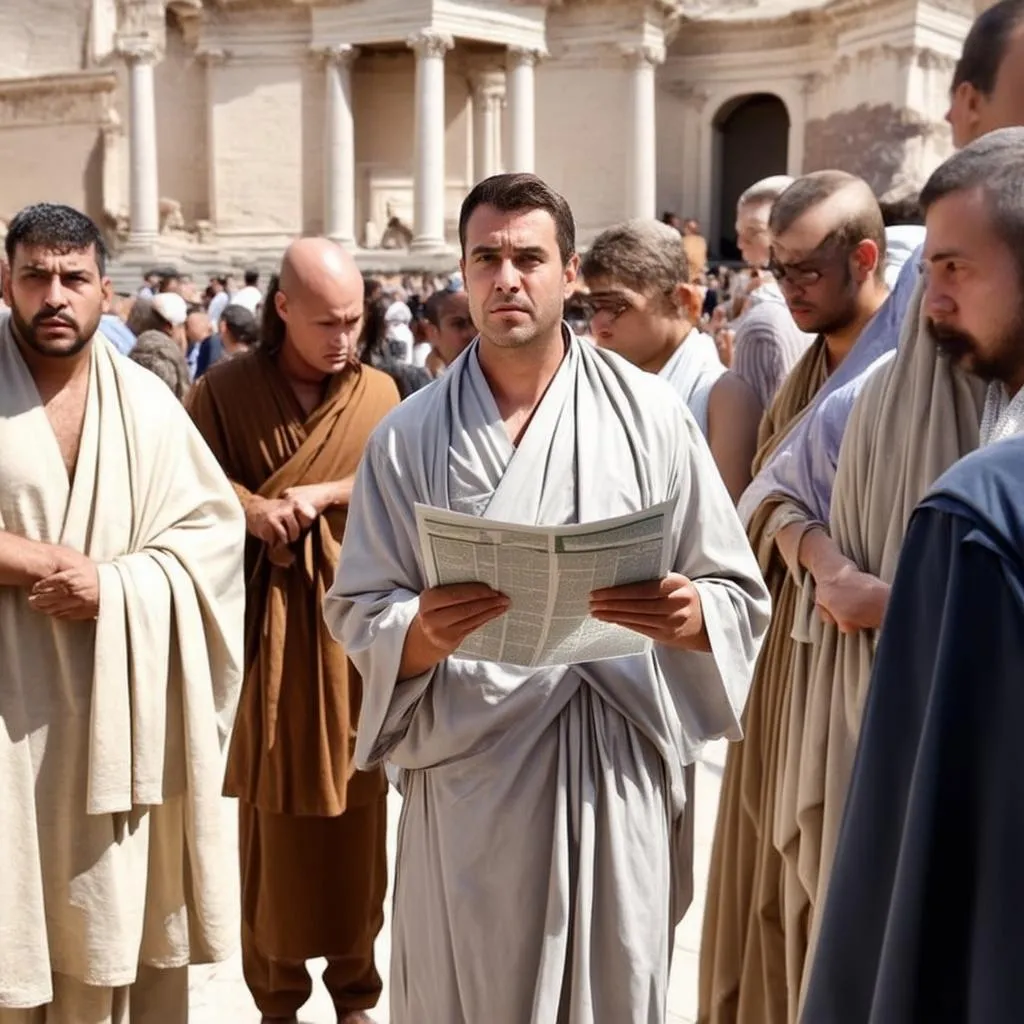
(212, 583)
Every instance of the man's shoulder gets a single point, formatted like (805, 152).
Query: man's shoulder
(151, 401)
(407, 422)
(769, 318)
(228, 374)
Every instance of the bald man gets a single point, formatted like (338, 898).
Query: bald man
(289, 421)
(828, 256)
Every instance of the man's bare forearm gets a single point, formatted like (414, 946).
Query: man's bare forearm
(23, 563)
(819, 554)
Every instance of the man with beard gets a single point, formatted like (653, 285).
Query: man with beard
(923, 906)
(543, 851)
(828, 255)
(121, 604)
(288, 421)
(973, 259)
(912, 419)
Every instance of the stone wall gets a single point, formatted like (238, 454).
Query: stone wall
(879, 143)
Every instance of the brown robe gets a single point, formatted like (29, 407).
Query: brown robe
(743, 963)
(290, 761)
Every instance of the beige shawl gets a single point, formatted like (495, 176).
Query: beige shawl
(913, 420)
(111, 747)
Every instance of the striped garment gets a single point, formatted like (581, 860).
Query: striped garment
(767, 346)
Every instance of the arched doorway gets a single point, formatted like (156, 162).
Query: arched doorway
(751, 142)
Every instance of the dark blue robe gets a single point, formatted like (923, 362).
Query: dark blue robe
(924, 921)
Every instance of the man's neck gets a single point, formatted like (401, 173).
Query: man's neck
(660, 359)
(519, 377)
(839, 343)
(308, 384)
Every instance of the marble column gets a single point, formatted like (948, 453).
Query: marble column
(488, 94)
(521, 108)
(339, 146)
(641, 145)
(429, 142)
(143, 184)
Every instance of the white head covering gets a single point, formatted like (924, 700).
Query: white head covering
(172, 307)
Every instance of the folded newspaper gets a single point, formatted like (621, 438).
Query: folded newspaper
(548, 573)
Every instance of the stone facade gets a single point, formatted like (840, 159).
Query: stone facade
(213, 131)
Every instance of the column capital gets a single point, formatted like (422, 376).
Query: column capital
(429, 42)
(338, 54)
(525, 56)
(489, 84)
(137, 50)
(640, 55)
(213, 57)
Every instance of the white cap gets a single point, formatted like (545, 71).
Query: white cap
(172, 307)
(398, 313)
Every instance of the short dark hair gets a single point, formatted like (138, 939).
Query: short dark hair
(60, 228)
(510, 193)
(906, 210)
(863, 223)
(986, 45)
(993, 165)
(644, 255)
(252, 277)
(242, 324)
(433, 308)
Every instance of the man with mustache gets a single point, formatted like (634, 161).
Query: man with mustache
(121, 610)
(922, 924)
(828, 252)
(973, 301)
(288, 420)
(913, 418)
(543, 853)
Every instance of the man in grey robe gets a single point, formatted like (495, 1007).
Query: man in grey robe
(542, 861)
(646, 310)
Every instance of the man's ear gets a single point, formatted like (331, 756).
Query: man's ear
(281, 304)
(5, 279)
(107, 287)
(865, 259)
(572, 273)
(689, 300)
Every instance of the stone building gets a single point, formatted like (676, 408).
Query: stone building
(217, 130)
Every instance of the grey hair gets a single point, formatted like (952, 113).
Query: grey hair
(641, 254)
(767, 190)
(995, 165)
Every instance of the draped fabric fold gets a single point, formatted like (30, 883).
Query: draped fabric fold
(744, 972)
(915, 417)
(112, 746)
(291, 752)
(566, 783)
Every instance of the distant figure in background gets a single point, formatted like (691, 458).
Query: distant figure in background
(239, 331)
(376, 350)
(696, 248)
(250, 296)
(397, 332)
(161, 354)
(672, 220)
(768, 342)
(449, 325)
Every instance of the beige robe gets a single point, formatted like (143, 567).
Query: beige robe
(912, 421)
(111, 826)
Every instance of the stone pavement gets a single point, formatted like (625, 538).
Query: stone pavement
(218, 994)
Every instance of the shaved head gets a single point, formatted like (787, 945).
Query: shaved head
(828, 250)
(319, 300)
(827, 205)
(318, 266)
